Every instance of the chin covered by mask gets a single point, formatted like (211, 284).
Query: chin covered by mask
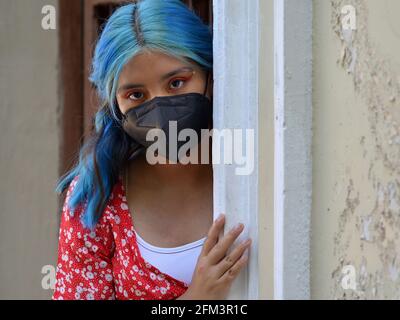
(190, 111)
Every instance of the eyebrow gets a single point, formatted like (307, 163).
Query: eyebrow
(165, 76)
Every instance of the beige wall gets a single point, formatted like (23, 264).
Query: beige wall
(29, 148)
(356, 151)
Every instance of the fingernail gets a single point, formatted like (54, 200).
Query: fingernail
(220, 217)
(238, 226)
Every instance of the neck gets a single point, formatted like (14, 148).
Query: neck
(168, 177)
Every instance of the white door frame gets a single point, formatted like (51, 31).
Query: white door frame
(236, 32)
(236, 106)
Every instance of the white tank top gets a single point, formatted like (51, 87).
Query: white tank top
(165, 259)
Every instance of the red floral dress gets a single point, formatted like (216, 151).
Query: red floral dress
(106, 264)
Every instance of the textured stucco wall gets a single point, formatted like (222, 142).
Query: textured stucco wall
(356, 150)
(29, 148)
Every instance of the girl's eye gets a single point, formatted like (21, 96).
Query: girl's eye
(175, 84)
(177, 81)
(133, 96)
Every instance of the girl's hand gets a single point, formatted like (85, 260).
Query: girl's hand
(215, 270)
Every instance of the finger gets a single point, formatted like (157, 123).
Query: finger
(220, 249)
(231, 258)
(233, 272)
(212, 236)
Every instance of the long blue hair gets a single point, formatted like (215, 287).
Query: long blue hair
(167, 26)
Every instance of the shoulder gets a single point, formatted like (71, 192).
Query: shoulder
(76, 214)
(75, 234)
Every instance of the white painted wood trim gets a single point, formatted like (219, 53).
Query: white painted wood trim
(236, 106)
(278, 152)
(293, 138)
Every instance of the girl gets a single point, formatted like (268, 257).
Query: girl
(132, 228)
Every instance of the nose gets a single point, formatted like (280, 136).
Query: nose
(159, 93)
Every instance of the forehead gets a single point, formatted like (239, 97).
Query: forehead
(151, 64)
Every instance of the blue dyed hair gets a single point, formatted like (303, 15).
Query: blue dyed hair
(167, 26)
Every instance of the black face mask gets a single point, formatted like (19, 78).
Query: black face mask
(190, 111)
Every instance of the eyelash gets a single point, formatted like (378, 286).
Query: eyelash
(177, 79)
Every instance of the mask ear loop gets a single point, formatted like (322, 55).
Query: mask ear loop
(205, 90)
(204, 94)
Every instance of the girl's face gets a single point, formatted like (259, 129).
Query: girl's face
(152, 74)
